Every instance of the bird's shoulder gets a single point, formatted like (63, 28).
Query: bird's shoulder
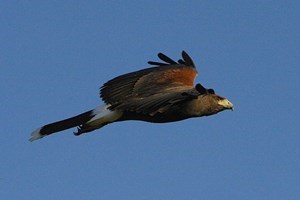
(163, 76)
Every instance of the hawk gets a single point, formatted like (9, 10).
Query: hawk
(162, 93)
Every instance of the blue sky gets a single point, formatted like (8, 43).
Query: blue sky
(55, 55)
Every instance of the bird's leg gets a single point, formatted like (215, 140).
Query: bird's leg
(79, 130)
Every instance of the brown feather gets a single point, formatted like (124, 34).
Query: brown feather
(156, 103)
(164, 93)
(129, 89)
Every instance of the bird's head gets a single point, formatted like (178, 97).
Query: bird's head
(217, 103)
(209, 104)
(223, 103)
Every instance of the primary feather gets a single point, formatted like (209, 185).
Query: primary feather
(163, 93)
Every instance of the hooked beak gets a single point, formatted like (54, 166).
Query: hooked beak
(226, 104)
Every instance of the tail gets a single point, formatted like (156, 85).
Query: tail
(85, 122)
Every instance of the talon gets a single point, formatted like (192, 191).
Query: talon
(76, 133)
(78, 130)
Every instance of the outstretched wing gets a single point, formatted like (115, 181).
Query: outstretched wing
(152, 89)
(156, 103)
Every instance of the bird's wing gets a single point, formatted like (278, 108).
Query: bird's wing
(156, 103)
(151, 86)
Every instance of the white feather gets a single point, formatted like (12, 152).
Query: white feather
(104, 115)
(35, 135)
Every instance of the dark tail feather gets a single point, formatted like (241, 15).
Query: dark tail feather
(62, 125)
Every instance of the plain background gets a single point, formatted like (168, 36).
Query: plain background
(54, 56)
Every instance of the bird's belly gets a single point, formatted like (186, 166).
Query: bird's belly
(157, 118)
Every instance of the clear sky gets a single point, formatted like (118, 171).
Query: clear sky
(55, 55)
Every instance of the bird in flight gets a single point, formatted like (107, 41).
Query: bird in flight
(159, 94)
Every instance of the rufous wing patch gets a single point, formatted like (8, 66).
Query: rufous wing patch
(184, 76)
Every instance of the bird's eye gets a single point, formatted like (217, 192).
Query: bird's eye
(220, 98)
